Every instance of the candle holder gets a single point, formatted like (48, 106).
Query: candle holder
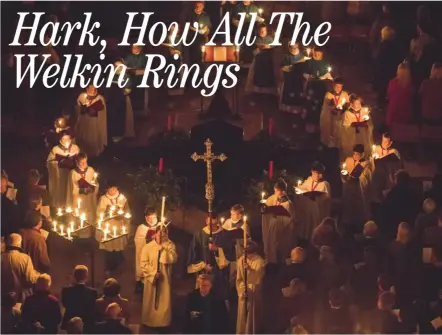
(69, 223)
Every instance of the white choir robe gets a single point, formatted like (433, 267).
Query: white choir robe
(162, 316)
(140, 242)
(278, 232)
(58, 177)
(120, 202)
(228, 225)
(349, 137)
(91, 132)
(356, 197)
(88, 201)
(253, 321)
(383, 178)
(309, 213)
(330, 124)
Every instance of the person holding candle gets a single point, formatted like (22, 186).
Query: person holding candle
(143, 235)
(331, 113)
(356, 129)
(199, 18)
(60, 162)
(91, 125)
(83, 185)
(120, 119)
(114, 248)
(157, 258)
(211, 252)
(278, 227)
(313, 201)
(262, 76)
(356, 198)
(250, 317)
(292, 67)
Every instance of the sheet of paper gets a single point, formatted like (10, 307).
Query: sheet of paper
(44, 233)
(11, 193)
(437, 323)
(427, 254)
(46, 211)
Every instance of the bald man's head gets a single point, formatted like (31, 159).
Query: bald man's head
(14, 240)
(113, 310)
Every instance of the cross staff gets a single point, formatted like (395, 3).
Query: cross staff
(209, 157)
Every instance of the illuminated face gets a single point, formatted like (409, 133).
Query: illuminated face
(199, 7)
(91, 91)
(235, 216)
(82, 164)
(4, 185)
(278, 193)
(263, 32)
(213, 222)
(136, 49)
(65, 141)
(316, 176)
(357, 156)
(294, 49)
(205, 287)
(152, 220)
(338, 88)
(357, 104)
(112, 191)
(386, 142)
(246, 3)
(317, 55)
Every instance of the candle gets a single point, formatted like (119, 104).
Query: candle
(69, 233)
(77, 212)
(82, 218)
(163, 206)
(78, 203)
(344, 172)
(260, 11)
(127, 215)
(169, 122)
(99, 224)
(105, 234)
(107, 225)
(101, 216)
(329, 69)
(55, 225)
(270, 170)
(222, 220)
(72, 226)
(263, 195)
(59, 212)
(161, 165)
(115, 231)
(69, 210)
(299, 182)
(120, 212)
(61, 230)
(163, 220)
(123, 229)
(308, 51)
(203, 49)
(270, 126)
(111, 212)
(245, 231)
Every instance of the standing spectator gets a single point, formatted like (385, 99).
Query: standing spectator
(112, 323)
(400, 97)
(18, 274)
(430, 97)
(42, 307)
(386, 59)
(32, 187)
(10, 315)
(384, 19)
(79, 299)
(34, 244)
(9, 214)
(111, 294)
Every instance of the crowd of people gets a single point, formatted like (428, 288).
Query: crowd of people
(376, 267)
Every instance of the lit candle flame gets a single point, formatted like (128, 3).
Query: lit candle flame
(299, 182)
(124, 230)
(120, 212)
(329, 69)
(263, 195)
(127, 215)
(222, 220)
(260, 11)
(69, 210)
(55, 225)
(203, 49)
(59, 212)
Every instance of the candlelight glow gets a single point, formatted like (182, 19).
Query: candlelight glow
(77, 212)
(99, 224)
(222, 220)
(61, 230)
(203, 49)
(55, 225)
(329, 69)
(308, 50)
(101, 216)
(69, 233)
(299, 182)
(120, 212)
(72, 226)
(69, 210)
(59, 212)
(78, 203)
(115, 231)
(123, 230)
(260, 11)
(263, 194)
(127, 215)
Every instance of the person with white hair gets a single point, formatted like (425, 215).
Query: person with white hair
(18, 273)
(112, 324)
(428, 218)
(42, 308)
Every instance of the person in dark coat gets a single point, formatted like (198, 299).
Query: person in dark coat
(206, 313)
(42, 308)
(400, 205)
(426, 219)
(112, 324)
(337, 318)
(435, 192)
(79, 299)
(31, 188)
(10, 214)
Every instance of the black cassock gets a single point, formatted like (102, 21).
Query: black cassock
(206, 315)
(199, 252)
(116, 108)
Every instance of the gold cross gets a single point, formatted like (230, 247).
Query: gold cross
(209, 157)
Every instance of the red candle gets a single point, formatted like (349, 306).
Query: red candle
(270, 170)
(160, 165)
(270, 127)
(169, 122)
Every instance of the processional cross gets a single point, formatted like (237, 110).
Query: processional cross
(209, 157)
